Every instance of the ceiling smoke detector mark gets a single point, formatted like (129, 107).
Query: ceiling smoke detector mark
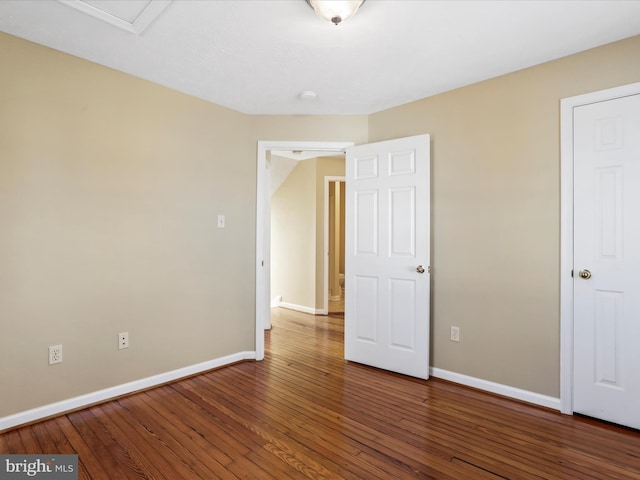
(134, 16)
(308, 95)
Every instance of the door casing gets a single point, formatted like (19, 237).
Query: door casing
(566, 234)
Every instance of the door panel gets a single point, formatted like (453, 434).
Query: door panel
(387, 238)
(366, 213)
(366, 315)
(402, 308)
(402, 218)
(607, 244)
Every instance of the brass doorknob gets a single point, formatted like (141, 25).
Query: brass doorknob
(586, 274)
(420, 269)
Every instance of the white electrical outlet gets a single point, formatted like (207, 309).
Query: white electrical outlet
(123, 340)
(221, 221)
(455, 334)
(55, 354)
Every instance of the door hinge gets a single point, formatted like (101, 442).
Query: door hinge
(571, 273)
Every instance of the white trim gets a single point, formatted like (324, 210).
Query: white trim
(301, 308)
(498, 388)
(567, 105)
(99, 396)
(276, 301)
(325, 300)
(262, 309)
(145, 17)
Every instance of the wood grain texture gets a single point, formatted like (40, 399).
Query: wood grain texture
(305, 413)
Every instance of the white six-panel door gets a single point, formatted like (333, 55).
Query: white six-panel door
(387, 255)
(607, 260)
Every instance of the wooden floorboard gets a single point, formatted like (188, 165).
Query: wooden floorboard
(305, 413)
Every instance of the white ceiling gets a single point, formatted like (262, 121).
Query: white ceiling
(257, 56)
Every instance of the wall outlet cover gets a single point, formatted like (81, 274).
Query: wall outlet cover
(123, 340)
(455, 334)
(55, 354)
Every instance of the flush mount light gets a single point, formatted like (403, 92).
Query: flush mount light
(335, 11)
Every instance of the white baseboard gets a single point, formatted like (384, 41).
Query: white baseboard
(277, 300)
(74, 403)
(108, 393)
(498, 388)
(301, 308)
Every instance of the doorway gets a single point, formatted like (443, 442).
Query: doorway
(334, 244)
(600, 238)
(263, 214)
(387, 321)
(306, 236)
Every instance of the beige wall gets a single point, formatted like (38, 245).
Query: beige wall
(293, 228)
(110, 187)
(302, 128)
(297, 233)
(496, 212)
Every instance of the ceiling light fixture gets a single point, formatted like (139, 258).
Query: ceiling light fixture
(335, 11)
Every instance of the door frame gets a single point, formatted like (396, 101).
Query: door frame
(263, 210)
(327, 180)
(566, 233)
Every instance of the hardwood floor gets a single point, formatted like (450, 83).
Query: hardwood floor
(306, 413)
(336, 306)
